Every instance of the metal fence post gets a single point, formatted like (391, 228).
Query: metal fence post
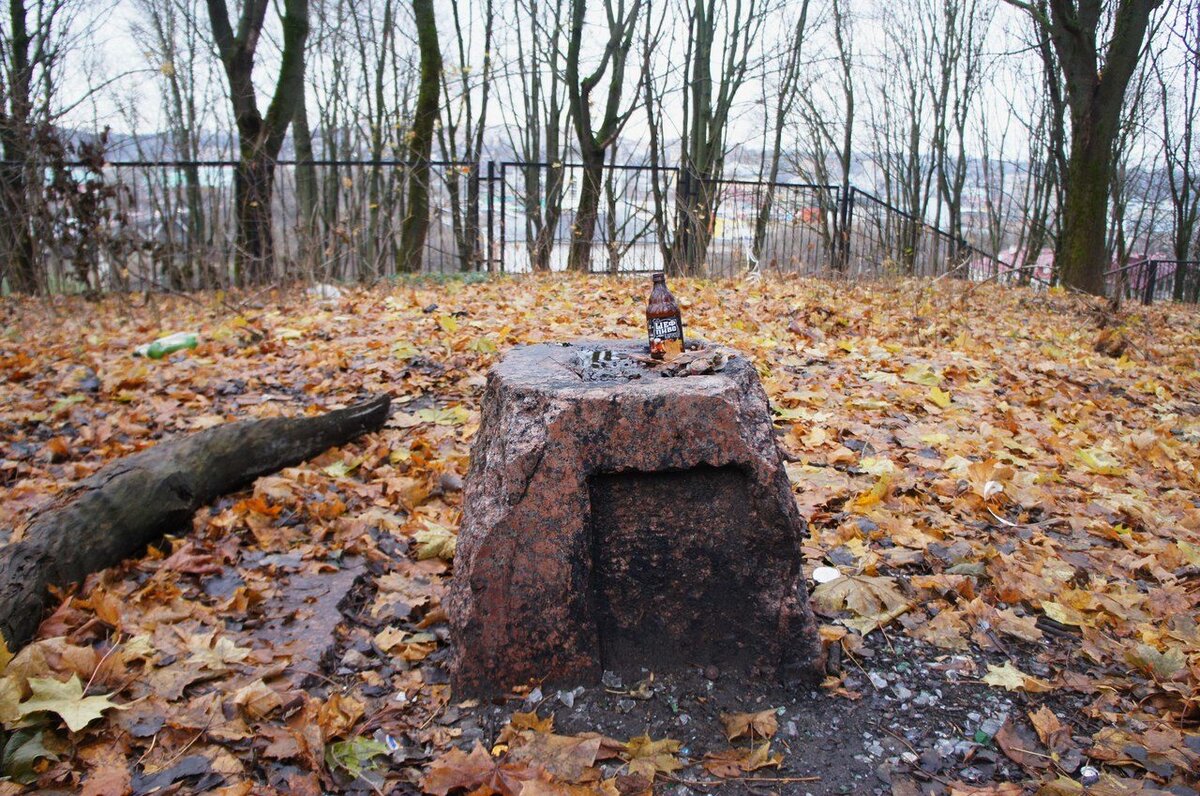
(847, 225)
(503, 214)
(1151, 278)
(491, 213)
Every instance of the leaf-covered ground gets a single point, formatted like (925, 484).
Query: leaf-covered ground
(991, 484)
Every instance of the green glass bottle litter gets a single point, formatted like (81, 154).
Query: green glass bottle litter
(167, 345)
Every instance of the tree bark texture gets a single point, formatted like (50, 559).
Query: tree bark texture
(260, 137)
(1097, 74)
(583, 231)
(16, 239)
(415, 228)
(135, 500)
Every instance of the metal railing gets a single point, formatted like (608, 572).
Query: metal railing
(342, 220)
(1148, 280)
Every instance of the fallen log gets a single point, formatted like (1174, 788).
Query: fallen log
(129, 503)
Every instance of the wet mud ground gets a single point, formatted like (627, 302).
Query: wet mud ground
(922, 723)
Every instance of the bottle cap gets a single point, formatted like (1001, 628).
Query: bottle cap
(660, 277)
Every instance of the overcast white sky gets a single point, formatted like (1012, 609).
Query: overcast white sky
(120, 55)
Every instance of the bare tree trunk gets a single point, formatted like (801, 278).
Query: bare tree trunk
(259, 137)
(785, 100)
(1095, 97)
(16, 134)
(306, 177)
(415, 226)
(253, 183)
(135, 500)
(1179, 97)
(708, 104)
(584, 230)
(175, 32)
(16, 238)
(594, 142)
(463, 116)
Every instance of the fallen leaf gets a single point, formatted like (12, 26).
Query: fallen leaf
(436, 541)
(565, 757)
(257, 700)
(541, 787)
(215, 653)
(338, 714)
(762, 724)
(647, 757)
(108, 780)
(1160, 665)
(476, 772)
(939, 397)
(921, 374)
(945, 630)
(354, 756)
(1021, 749)
(734, 762)
(66, 700)
(22, 751)
(1100, 461)
(863, 595)
(1054, 735)
(1010, 678)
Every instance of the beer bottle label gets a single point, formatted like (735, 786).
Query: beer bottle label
(665, 328)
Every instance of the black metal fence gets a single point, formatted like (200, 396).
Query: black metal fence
(1149, 280)
(331, 219)
(773, 228)
(882, 240)
(342, 219)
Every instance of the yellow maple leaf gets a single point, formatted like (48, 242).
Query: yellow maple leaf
(1100, 461)
(647, 757)
(939, 397)
(920, 374)
(875, 494)
(67, 700)
(1065, 615)
(436, 541)
(1010, 678)
(863, 595)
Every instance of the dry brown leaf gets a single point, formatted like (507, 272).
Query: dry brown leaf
(257, 700)
(1021, 748)
(863, 595)
(735, 762)
(648, 758)
(945, 630)
(1054, 735)
(541, 787)
(565, 757)
(762, 724)
(111, 779)
(338, 714)
(477, 772)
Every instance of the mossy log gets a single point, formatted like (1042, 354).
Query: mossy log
(133, 501)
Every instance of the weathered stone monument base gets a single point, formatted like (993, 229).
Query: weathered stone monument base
(617, 519)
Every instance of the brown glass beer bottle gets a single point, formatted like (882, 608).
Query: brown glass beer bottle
(663, 320)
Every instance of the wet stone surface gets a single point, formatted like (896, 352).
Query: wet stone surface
(604, 364)
(615, 518)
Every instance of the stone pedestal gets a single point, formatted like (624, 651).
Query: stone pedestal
(616, 519)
